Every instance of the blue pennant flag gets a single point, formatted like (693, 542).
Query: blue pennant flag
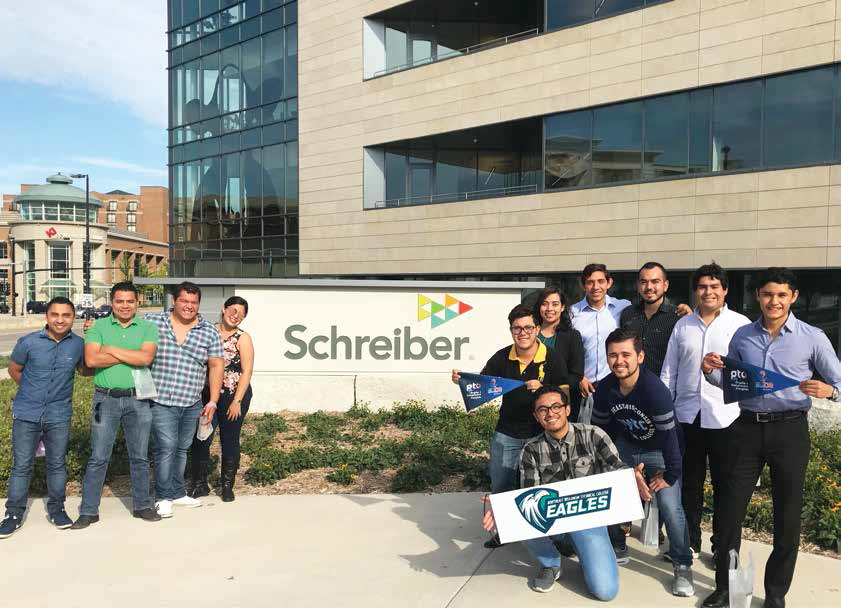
(743, 380)
(478, 389)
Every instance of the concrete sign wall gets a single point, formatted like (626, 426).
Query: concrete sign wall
(331, 344)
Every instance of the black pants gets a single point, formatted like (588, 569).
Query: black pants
(700, 445)
(229, 430)
(784, 446)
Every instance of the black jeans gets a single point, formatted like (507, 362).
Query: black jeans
(229, 430)
(784, 446)
(701, 444)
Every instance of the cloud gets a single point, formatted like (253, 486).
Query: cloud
(112, 163)
(114, 50)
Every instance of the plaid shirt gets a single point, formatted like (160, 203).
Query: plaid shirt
(586, 450)
(180, 370)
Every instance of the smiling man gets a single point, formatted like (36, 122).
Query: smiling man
(115, 346)
(699, 406)
(43, 365)
(652, 318)
(529, 360)
(595, 317)
(771, 429)
(635, 409)
(189, 355)
(566, 450)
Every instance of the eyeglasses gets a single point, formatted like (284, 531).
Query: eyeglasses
(526, 329)
(556, 408)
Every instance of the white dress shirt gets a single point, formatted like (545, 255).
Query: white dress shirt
(594, 327)
(691, 340)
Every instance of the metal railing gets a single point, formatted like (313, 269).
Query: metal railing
(456, 196)
(459, 52)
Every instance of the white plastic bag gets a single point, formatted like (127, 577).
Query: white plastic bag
(144, 385)
(650, 526)
(585, 414)
(205, 428)
(741, 581)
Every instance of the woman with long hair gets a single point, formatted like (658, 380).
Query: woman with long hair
(552, 312)
(233, 403)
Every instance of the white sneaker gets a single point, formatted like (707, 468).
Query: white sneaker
(186, 501)
(164, 508)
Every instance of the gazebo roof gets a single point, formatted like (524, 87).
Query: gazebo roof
(57, 189)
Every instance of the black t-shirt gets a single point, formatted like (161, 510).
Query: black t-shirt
(515, 415)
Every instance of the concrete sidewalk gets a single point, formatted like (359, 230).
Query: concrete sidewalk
(413, 550)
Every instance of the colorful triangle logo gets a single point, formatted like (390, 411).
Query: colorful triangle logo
(438, 313)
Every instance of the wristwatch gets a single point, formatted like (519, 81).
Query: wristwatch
(835, 395)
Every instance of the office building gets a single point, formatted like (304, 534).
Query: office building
(42, 237)
(513, 140)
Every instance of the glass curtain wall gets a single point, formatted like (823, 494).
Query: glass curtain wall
(233, 138)
(781, 121)
(425, 31)
(568, 13)
(475, 163)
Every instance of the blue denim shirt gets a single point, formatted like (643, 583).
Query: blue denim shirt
(46, 384)
(798, 351)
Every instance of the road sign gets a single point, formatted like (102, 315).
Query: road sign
(87, 300)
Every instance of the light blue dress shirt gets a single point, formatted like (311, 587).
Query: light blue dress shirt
(798, 351)
(594, 327)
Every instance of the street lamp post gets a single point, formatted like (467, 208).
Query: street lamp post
(14, 275)
(86, 256)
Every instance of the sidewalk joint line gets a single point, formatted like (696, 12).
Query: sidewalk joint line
(469, 578)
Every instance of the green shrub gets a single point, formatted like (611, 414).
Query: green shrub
(343, 475)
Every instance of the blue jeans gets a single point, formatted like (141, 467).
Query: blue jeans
(669, 501)
(109, 413)
(504, 462)
(595, 554)
(25, 436)
(173, 429)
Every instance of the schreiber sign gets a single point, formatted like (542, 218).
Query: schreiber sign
(399, 327)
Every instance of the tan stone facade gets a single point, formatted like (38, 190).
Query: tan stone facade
(790, 217)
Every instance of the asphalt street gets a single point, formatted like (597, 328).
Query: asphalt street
(8, 337)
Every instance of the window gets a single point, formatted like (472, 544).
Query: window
(666, 145)
(131, 218)
(700, 122)
(112, 219)
(112, 205)
(617, 143)
(567, 158)
(273, 66)
(131, 228)
(798, 108)
(59, 283)
(4, 249)
(737, 112)
(132, 205)
(29, 265)
(563, 13)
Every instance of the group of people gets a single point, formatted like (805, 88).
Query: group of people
(609, 385)
(155, 377)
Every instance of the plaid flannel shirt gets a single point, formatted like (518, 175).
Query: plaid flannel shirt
(180, 370)
(586, 450)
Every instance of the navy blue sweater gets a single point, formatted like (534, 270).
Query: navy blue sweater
(644, 417)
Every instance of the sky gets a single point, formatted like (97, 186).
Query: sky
(83, 89)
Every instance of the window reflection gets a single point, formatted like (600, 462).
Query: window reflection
(617, 143)
(737, 112)
(665, 136)
(798, 108)
(567, 156)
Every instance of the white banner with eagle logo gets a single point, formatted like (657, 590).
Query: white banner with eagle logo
(567, 506)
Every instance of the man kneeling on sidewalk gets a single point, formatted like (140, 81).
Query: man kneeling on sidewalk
(565, 451)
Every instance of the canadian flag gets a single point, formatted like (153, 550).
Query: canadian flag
(51, 232)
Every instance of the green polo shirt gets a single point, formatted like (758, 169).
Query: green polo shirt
(108, 332)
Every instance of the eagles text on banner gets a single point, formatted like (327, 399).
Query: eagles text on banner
(567, 506)
(743, 380)
(477, 389)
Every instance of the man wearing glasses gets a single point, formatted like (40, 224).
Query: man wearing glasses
(569, 451)
(527, 359)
